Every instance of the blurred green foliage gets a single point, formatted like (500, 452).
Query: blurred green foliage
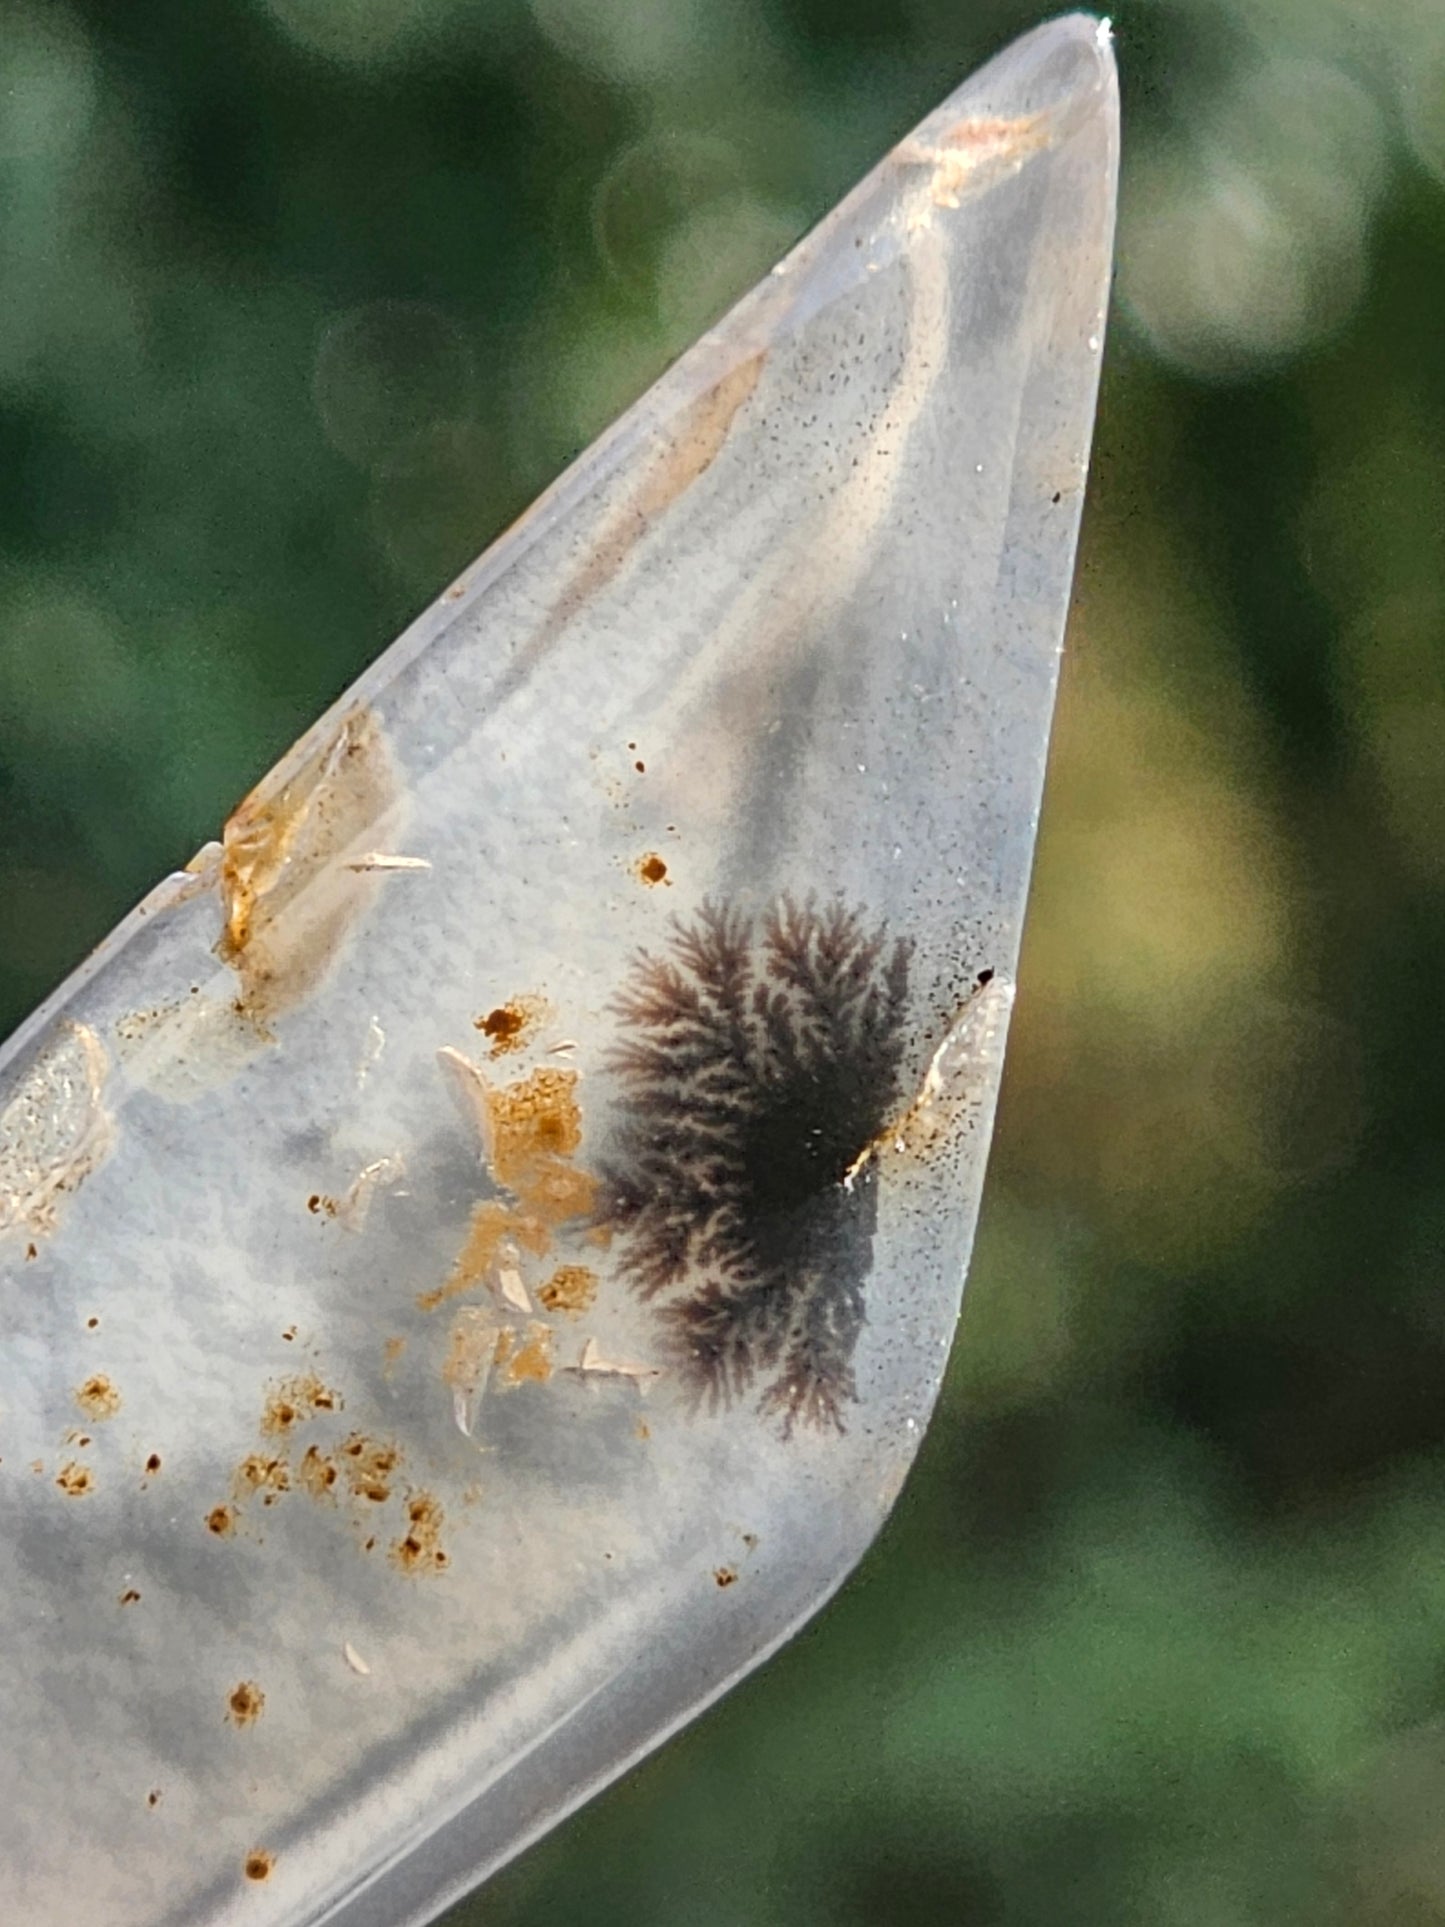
(302, 300)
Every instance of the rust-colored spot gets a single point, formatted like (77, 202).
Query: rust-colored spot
(532, 1360)
(97, 1397)
(419, 1549)
(32, 1250)
(290, 898)
(367, 1465)
(75, 1480)
(507, 1027)
(642, 1429)
(130, 1597)
(92, 1324)
(289, 1334)
(258, 1864)
(571, 1288)
(295, 1400)
(316, 1473)
(652, 869)
(391, 1353)
(259, 1472)
(153, 1464)
(221, 1519)
(54, 1130)
(245, 1703)
(726, 1576)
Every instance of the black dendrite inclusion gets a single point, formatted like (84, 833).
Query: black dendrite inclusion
(759, 1060)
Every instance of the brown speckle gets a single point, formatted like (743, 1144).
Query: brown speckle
(221, 1520)
(295, 1400)
(651, 869)
(258, 1864)
(368, 1465)
(571, 1288)
(130, 1597)
(289, 1334)
(75, 1480)
(259, 1473)
(97, 1397)
(726, 1576)
(419, 1550)
(92, 1324)
(245, 1703)
(32, 1251)
(507, 1027)
(153, 1464)
(316, 1473)
(153, 1798)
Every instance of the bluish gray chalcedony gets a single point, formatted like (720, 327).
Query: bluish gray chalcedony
(479, 1250)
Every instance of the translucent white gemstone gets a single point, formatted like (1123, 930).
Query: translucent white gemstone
(478, 1250)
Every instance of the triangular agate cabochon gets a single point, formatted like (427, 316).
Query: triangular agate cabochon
(479, 1251)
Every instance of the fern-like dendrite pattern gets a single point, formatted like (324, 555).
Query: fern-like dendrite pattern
(758, 1061)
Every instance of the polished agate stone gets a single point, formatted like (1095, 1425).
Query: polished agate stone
(479, 1249)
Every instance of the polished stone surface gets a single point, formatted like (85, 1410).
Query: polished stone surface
(478, 1252)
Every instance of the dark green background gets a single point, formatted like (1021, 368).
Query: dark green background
(1155, 1635)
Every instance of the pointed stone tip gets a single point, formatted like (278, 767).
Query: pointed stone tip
(1047, 79)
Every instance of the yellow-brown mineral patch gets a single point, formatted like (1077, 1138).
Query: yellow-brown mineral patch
(245, 1703)
(491, 1223)
(419, 1549)
(571, 1288)
(259, 1864)
(259, 1472)
(98, 1398)
(367, 1465)
(532, 1360)
(316, 1474)
(291, 882)
(75, 1480)
(295, 1400)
